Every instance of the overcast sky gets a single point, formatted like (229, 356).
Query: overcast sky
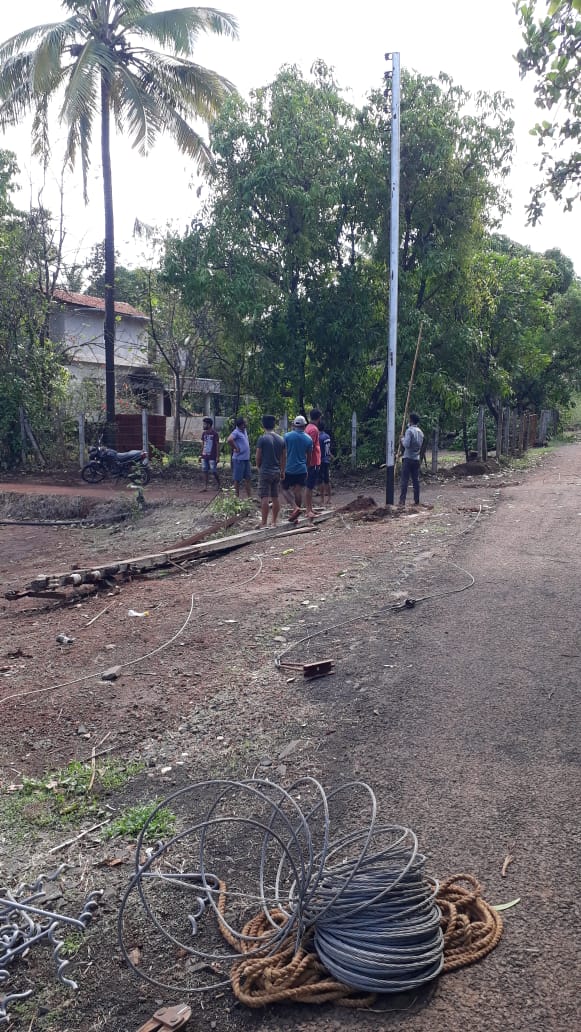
(472, 42)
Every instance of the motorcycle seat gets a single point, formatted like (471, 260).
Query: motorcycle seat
(128, 456)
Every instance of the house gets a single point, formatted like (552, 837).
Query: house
(76, 323)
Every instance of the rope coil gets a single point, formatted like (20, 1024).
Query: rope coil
(335, 918)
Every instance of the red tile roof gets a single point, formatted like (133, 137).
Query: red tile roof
(65, 297)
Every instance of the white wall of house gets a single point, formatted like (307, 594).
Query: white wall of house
(81, 333)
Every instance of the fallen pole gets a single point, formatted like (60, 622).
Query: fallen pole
(136, 565)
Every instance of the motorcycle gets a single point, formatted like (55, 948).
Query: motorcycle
(106, 462)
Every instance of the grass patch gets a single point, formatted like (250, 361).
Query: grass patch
(71, 944)
(228, 504)
(531, 458)
(130, 823)
(65, 797)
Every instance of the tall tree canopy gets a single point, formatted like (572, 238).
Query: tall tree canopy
(552, 50)
(97, 67)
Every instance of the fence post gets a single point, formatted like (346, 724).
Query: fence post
(354, 440)
(435, 445)
(514, 433)
(145, 430)
(81, 440)
(525, 434)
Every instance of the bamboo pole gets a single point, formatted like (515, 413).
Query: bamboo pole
(410, 386)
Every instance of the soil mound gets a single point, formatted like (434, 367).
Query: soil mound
(473, 469)
(359, 504)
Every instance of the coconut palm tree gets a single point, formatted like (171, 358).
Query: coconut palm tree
(97, 67)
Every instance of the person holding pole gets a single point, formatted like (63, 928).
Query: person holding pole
(412, 442)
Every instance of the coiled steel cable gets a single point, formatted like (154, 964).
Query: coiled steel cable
(360, 896)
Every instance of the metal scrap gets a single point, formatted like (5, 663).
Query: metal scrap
(25, 922)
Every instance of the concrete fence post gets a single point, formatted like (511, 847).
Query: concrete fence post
(82, 451)
(145, 430)
(354, 440)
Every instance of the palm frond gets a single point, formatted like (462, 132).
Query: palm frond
(49, 53)
(16, 94)
(136, 112)
(40, 131)
(189, 141)
(127, 11)
(180, 29)
(24, 39)
(79, 138)
(195, 91)
(80, 99)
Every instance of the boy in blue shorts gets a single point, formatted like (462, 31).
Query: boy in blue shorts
(299, 447)
(241, 469)
(210, 451)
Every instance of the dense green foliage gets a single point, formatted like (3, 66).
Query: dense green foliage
(291, 254)
(552, 38)
(30, 373)
(279, 288)
(98, 66)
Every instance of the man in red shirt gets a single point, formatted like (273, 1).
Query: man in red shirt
(312, 429)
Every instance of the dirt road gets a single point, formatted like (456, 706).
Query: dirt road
(461, 713)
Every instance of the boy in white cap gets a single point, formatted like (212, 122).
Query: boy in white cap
(298, 449)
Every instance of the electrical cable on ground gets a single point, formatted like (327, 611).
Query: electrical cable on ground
(394, 607)
(132, 662)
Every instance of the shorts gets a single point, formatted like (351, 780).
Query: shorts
(209, 464)
(312, 477)
(294, 480)
(324, 473)
(241, 470)
(268, 485)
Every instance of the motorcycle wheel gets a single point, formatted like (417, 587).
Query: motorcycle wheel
(140, 475)
(92, 473)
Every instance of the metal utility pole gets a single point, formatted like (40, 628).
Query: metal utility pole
(390, 446)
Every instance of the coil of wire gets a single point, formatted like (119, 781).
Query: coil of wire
(361, 897)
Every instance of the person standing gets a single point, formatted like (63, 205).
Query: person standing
(240, 445)
(298, 446)
(325, 471)
(270, 461)
(210, 451)
(412, 442)
(314, 464)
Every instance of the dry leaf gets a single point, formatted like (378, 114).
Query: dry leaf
(135, 956)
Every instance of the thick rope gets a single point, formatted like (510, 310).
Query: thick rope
(471, 927)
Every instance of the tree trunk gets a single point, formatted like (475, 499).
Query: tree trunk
(177, 395)
(109, 327)
(465, 438)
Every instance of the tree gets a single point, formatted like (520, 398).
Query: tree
(31, 376)
(455, 153)
(552, 50)
(95, 63)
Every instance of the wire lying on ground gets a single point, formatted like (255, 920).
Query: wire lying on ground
(393, 607)
(324, 914)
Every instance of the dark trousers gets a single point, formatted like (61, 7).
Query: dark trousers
(409, 468)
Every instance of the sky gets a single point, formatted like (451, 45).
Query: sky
(472, 42)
